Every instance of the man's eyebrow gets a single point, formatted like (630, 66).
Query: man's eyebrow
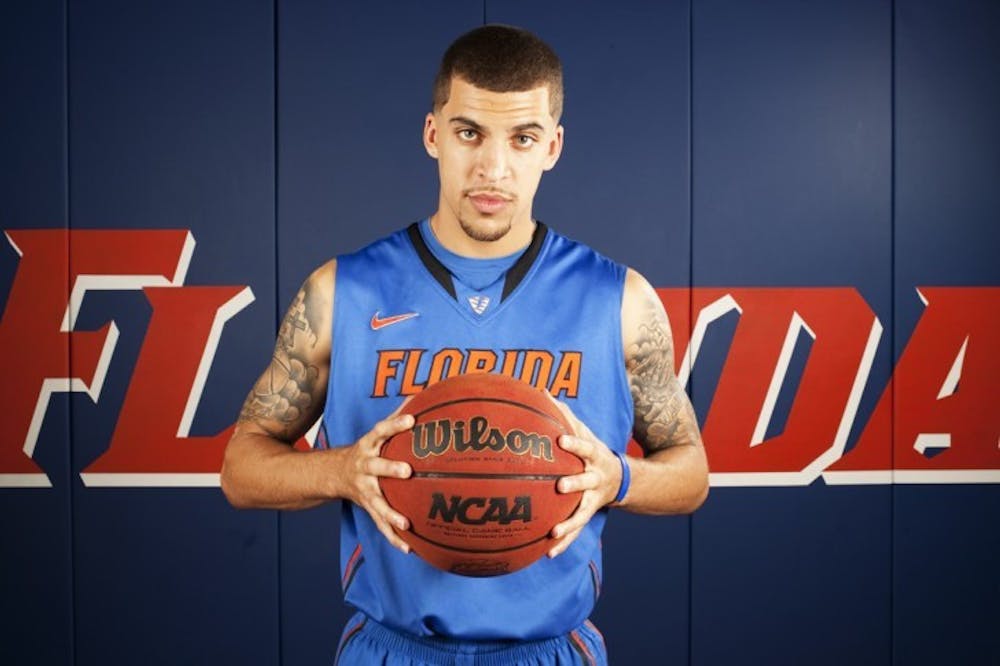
(528, 126)
(462, 120)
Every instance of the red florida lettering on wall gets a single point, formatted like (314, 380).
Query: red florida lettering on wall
(150, 444)
(942, 390)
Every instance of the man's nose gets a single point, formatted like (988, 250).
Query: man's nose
(493, 161)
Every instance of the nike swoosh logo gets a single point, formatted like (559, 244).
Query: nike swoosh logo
(382, 322)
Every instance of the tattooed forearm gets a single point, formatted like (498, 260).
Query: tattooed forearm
(281, 399)
(663, 413)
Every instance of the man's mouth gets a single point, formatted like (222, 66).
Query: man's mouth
(488, 203)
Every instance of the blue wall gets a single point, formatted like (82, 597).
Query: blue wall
(710, 143)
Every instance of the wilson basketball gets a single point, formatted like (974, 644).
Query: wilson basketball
(482, 498)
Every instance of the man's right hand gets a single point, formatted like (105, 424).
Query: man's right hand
(362, 468)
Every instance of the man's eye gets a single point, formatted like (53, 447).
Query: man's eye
(467, 134)
(524, 140)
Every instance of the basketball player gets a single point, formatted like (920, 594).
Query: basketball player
(479, 286)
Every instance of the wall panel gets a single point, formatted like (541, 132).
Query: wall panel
(171, 127)
(791, 189)
(946, 588)
(36, 578)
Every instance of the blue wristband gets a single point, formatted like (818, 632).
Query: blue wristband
(626, 477)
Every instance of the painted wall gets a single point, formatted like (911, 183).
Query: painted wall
(813, 185)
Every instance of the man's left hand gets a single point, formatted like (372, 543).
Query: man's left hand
(600, 480)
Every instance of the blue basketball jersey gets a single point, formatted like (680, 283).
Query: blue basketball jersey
(398, 327)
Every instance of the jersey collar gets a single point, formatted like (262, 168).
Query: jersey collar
(514, 275)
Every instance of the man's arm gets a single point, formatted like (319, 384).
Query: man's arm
(262, 470)
(673, 476)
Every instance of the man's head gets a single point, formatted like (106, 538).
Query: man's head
(494, 130)
(501, 58)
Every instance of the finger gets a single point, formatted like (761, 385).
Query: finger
(584, 512)
(386, 520)
(384, 467)
(380, 507)
(386, 428)
(570, 525)
(391, 426)
(565, 543)
(579, 482)
(391, 536)
(584, 448)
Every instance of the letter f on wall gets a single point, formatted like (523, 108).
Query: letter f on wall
(37, 329)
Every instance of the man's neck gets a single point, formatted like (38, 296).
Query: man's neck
(450, 234)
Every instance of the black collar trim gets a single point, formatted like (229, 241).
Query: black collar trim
(436, 268)
(514, 276)
(523, 264)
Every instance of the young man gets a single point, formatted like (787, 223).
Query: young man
(478, 286)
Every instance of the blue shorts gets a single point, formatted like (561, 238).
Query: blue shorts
(366, 642)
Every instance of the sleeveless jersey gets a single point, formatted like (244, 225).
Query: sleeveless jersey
(398, 327)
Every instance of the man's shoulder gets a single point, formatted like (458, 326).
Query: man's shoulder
(566, 246)
(388, 243)
(388, 259)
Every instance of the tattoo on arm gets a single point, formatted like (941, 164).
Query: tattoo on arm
(281, 398)
(663, 414)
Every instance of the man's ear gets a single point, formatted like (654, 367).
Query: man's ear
(555, 148)
(430, 135)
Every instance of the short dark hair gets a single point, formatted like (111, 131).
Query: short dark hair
(501, 58)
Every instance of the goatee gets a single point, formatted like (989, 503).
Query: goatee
(484, 234)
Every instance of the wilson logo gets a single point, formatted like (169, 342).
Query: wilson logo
(480, 510)
(437, 437)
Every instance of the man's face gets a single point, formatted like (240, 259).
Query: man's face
(491, 150)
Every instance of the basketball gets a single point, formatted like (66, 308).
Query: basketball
(485, 456)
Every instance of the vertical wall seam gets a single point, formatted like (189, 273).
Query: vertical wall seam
(275, 151)
(690, 324)
(70, 485)
(893, 341)
(277, 311)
